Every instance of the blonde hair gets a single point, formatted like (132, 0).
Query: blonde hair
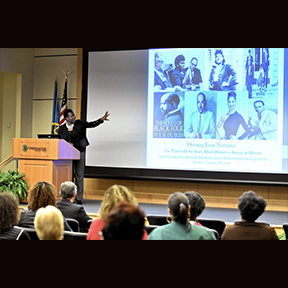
(113, 196)
(49, 223)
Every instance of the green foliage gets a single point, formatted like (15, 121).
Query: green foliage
(282, 236)
(13, 182)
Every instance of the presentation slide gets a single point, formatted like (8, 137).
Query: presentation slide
(188, 109)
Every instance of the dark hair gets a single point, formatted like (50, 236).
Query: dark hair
(194, 58)
(178, 204)
(179, 59)
(219, 51)
(41, 194)
(124, 222)
(259, 101)
(232, 94)
(196, 203)
(66, 113)
(251, 206)
(173, 98)
(204, 96)
(8, 211)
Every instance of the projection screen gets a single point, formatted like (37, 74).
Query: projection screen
(191, 114)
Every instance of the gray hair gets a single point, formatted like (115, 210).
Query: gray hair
(68, 189)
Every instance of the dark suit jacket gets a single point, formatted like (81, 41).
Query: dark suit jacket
(197, 79)
(158, 81)
(79, 132)
(227, 74)
(177, 77)
(27, 220)
(249, 231)
(74, 211)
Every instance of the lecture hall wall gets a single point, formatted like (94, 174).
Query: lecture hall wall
(27, 78)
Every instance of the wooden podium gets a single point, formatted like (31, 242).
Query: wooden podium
(45, 160)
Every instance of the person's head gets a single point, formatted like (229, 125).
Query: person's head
(178, 207)
(219, 57)
(180, 62)
(201, 103)
(232, 100)
(113, 196)
(70, 116)
(49, 223)
(41, 195)
(197, 204)
(259, 107)
(193, 63)
(8, 211)
(68, 191)
(124, 222)
(169, 102)
(251, 206)
(158, 61)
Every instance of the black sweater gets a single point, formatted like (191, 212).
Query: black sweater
(78, 133)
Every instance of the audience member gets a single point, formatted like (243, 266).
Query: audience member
(124, 222)
(41, 195)
(9, 218)
(113, 196)
(197, 206)
(251, 208)
(49, 223)
(70, 209)
(180, 228)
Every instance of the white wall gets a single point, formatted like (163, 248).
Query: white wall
(21, 61)
(27, 78)
(49, 64)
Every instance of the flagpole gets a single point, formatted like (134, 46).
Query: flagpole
(64, 101)
(55, 116)
(66, 74)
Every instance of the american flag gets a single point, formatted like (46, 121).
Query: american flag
(64, 105)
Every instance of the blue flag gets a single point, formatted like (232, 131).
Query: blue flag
(55, 116)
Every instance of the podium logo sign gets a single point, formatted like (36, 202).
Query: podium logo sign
(24, 148)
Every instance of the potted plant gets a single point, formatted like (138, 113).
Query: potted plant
(13, 182)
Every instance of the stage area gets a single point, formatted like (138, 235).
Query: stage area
(229, 216)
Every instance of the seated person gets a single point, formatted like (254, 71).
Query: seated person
(197, 206)
(161, 82)
(41, 194)
(113, 196)
(71, 210)
(193, 78)
(9, 219)
(49, 223)
(179, 72)
(124, 222)
(180, 228)
(251, 208)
